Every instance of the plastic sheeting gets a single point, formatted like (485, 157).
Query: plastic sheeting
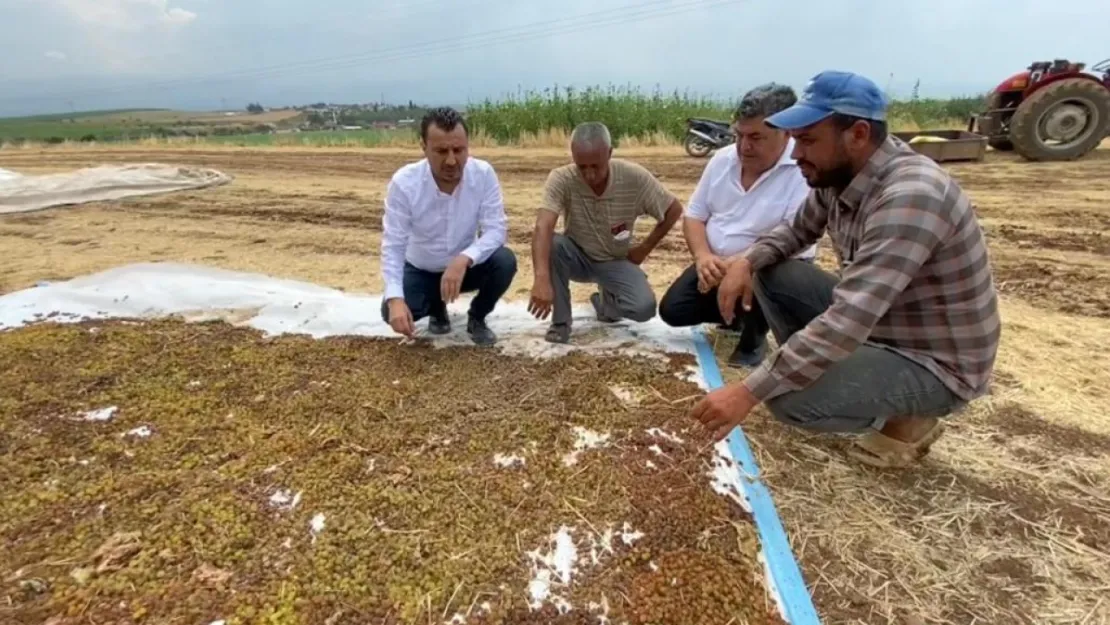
(22, 193)
(279, 306)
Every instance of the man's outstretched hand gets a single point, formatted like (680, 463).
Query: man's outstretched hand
(400, 317)
(736, 285)
(450, 285)
(543, 296)
(724, 409)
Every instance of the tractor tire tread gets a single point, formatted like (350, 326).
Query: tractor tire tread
(1022, 132)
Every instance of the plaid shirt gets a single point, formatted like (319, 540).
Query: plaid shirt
(915, 277)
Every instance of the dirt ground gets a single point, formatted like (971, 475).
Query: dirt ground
(1007, 522)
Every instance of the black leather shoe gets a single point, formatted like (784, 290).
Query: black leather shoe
(748, 357)
(439, 324)
(479, 332)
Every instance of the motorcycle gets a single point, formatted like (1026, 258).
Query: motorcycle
(705, 135)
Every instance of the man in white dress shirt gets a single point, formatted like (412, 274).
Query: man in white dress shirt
(744, 192)
(431, 249)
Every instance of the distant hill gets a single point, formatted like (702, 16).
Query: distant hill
(76, 115)
(124, 124)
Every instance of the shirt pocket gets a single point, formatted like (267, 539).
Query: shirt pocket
(620, 231)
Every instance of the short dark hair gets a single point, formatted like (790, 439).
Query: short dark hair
(764, 101)
(444, 117)
(844, 122)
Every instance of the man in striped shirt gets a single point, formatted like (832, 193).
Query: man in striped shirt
(909, 331)
(600, 199)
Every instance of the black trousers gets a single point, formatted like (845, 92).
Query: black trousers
(683, 305)
(491, 279)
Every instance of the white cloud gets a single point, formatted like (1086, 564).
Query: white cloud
(126, 15)
(110, 13)
(178, 15)
(54, 54)
(121, 36)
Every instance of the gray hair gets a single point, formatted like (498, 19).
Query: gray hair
(592, 134)
(764, 101)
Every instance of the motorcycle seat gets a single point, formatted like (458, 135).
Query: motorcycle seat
(706, 120)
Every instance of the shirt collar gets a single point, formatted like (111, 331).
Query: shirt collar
(868, 177)
(431, 181)
(784, 159)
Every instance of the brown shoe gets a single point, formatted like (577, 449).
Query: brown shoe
(880, 450)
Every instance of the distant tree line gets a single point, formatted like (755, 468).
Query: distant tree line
(321, 114)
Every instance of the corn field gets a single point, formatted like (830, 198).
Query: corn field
(627, 112)
(528, 118)
(631, 113)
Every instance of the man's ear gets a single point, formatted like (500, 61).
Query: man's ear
(860, 132)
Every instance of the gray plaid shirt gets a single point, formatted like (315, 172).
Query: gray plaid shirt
(915, 277)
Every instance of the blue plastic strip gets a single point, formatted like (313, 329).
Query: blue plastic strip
(785, 573)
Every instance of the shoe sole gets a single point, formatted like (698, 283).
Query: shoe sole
(483, 343)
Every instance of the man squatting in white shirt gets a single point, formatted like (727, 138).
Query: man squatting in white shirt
(431, 249)
(743, 193)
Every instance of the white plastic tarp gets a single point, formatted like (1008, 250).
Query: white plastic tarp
(22, 193)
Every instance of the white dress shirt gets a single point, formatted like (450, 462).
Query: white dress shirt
(735, 218)
(427, 227)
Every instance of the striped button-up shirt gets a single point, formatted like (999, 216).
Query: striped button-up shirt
(915, 277)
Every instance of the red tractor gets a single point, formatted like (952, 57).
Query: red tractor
(1053, 111)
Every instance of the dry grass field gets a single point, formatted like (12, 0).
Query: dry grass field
(1007, 522)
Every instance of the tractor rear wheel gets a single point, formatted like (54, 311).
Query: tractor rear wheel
(1061, 121)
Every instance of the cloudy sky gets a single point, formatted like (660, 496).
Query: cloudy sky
(60, 55)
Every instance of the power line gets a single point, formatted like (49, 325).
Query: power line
(609, 17)
(546, 29)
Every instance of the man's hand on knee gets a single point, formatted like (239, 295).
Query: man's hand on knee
(711, 270)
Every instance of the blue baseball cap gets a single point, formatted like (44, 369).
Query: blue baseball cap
(833, 92)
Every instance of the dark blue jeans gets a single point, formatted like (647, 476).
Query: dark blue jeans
(862, 391)
(683, 305)
(491, 279)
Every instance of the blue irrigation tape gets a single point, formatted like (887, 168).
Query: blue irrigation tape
(785, 573)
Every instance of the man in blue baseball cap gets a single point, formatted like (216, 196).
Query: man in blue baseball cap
(909, 330)
(840, 99)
